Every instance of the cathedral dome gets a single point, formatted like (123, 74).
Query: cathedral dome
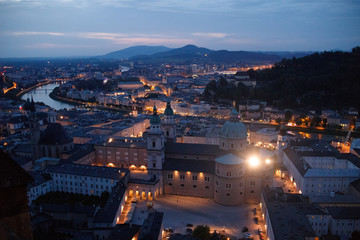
(168, 111)
(233, 128)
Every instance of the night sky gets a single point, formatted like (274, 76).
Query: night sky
(52, 28)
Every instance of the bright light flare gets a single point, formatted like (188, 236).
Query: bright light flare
(254, 161)
(267, 161)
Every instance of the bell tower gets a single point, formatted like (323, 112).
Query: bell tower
(168, 124)
(155, 143)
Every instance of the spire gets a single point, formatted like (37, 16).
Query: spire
(32, 106)
(283, 130)
(154, 110)
(234, 115)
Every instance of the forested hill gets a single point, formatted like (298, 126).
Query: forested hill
(328, 79)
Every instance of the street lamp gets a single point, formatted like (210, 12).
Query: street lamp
(254, 161)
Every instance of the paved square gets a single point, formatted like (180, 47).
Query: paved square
(181, 210)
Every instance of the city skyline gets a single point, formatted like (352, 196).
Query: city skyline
(83, 28)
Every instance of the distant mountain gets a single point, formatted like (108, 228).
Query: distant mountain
(135, 51)
(193, 54)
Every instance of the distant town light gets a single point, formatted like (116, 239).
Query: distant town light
(110, 140)
(254, 161)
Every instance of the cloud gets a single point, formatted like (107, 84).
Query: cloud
(114, 38)
(210, 35)
(37, 33)
(55, 45)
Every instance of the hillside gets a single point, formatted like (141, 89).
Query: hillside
(135, 51)
(193, 54)
(328, 79)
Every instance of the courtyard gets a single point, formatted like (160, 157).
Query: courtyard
(182, 210)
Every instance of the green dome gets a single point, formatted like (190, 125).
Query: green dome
(168, 111)
(155, 119)
(233, 128)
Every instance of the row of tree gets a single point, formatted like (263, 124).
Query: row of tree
(328, 79)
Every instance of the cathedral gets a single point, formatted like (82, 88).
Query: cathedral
(231, 173)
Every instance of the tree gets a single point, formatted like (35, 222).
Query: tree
(278, 120)
(202, 232)
(288, 115)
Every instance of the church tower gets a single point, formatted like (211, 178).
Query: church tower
(282, 142)
(168, 124)
(155, 143)
(34, 134)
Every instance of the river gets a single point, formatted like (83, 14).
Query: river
(41, 94)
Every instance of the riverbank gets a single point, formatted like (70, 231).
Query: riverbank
(20, 94)
(53, 96)
(325, 131)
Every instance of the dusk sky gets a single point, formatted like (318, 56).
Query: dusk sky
(51, 28)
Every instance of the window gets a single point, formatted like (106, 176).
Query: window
(206, 187)
(153, 143)
(228, 174)
(252, 183)
(241, 184)
(207, 179)
(154, 165)
(232, 145)
(240, 193)
(227, 195)
(167, 133)
(182, 185)
(228, 185)
(170, 176)
(182, 176)
(194, 186)
(217, 183)
(194, 178)
(267, 177)
(251, 191)
(170, 184)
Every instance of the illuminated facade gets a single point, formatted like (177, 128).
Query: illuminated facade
(230, 173)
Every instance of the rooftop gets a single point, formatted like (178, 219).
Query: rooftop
(87, 170)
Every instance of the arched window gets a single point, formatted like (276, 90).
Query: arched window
(167, 133)
(170, 184)
(194, 186)
(227, 194)
(153, 143)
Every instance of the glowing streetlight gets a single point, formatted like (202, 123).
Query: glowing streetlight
(254, 161)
